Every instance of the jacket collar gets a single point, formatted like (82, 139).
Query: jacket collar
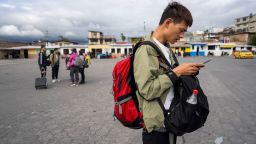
(150, 38)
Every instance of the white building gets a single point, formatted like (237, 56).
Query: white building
(246, 23)
(121, 48)
(218, 49)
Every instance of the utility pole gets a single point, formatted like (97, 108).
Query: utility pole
(145, 29)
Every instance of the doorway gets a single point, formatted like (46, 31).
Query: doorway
(25, 53)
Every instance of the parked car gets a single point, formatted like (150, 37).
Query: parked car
(243, 54)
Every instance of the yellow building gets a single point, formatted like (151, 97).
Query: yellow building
(181, 47)
(98, 49)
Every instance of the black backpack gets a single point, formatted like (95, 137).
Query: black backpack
(183, 117)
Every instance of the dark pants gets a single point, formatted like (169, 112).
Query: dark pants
(43, 74)
(55, 72)
(81, 70)
(155, 137)
(74, 74)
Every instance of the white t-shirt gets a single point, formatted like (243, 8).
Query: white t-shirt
(166, 53)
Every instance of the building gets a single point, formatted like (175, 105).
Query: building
(121, 48)
(239, 37)
(31, 51)
(220, 49)
(61, 43)
(245, 47)
(97, 49)
(6, 52)
(97, 38)
(181, 46)
(66, 49)
(98, 43)
(198, 49)
(188, 37)
(246, 23)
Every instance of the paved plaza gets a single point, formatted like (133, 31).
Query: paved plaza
(84, 115)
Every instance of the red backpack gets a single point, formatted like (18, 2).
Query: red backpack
(126, 108)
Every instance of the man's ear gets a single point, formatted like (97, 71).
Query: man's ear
(168, 21)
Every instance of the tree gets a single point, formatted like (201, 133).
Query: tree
(123, 37)
(253, 42)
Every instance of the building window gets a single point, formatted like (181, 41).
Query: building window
(66, 51)
(94, 40)
(125, 51)
(130, 51)
(244, 19)
(211, 47)
(118, 50)
(113, 50)
(238, 20)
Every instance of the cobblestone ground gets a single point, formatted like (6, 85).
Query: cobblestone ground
(83, 115)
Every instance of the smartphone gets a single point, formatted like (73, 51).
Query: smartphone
(205, 62)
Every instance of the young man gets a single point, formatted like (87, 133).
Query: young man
(42, 60)
(81, 68)
(55, 63)
(154, 81)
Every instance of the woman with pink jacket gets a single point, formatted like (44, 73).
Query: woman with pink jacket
(74, 70)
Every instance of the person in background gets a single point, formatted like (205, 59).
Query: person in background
(81, 68)
(88, 58)
(42, 60)
(55, 62)
(67, 58)
(74, 70)
(182, 53)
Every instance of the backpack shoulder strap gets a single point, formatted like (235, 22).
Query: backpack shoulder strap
(175, 59)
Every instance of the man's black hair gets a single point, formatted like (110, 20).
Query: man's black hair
(177, 13)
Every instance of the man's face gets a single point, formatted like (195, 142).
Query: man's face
(175, 31)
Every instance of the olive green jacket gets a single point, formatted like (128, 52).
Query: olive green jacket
(152, 82)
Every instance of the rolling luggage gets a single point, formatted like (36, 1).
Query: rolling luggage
(41, 83)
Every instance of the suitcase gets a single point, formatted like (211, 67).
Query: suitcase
(41, 83)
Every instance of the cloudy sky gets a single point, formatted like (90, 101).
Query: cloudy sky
(26, 19)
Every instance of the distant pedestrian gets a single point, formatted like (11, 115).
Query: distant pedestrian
(81, 68)
(67, 58)
(42, 60)
(177, 52)
(74, 70)
(88, 58)
(55, 62)
(182, 53)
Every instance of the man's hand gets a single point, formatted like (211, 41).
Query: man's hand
(187, 69)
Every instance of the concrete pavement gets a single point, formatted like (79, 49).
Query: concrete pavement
(83, 115)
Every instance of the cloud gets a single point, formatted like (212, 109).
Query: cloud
(12, 30)
(69, 34)
(7, 6)
(113, 17)
(26, 8)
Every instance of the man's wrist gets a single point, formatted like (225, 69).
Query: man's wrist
(176, 72)
(172, 76)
